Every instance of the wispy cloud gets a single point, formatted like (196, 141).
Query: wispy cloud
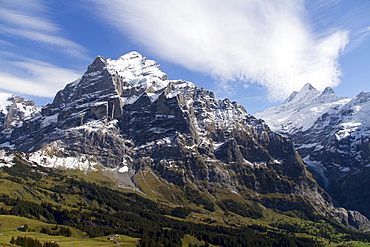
(329, 15)
(30, 23)
(36, 78)
(30, 20)
(238, 42)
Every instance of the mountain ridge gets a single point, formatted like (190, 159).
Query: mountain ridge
(91, 203)
(333, 138)
(124, 116)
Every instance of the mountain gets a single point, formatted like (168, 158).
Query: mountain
(173, 142)
(332, 135)
(70, 207)
(14, 109)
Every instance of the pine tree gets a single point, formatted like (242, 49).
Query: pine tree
(12, 241)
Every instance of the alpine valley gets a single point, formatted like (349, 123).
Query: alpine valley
(123, 150)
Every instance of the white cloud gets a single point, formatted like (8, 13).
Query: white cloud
(238, 42)
(35, 78)
(31, 23)
(30, 20)
(26, 21)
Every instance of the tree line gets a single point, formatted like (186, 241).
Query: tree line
(103, 211)
(30, 242)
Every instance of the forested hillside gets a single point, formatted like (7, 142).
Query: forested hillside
(92, 205)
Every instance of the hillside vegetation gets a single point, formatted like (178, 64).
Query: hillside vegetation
(76, 209)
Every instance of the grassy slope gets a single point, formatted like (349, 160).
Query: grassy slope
(40, 190)
(10, 223)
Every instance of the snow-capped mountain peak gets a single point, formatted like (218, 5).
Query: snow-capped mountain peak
(133, 68)
(357, 110)
(127, 78)
(5, 102)
(327, 96)
(14, 109)
(301, 110)
(125, 116)
(305, 94)
(134, 65)
(308, 95)
(332, 134)
(328, 91)
(361, 98)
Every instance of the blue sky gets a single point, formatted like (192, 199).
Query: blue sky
(255, 52)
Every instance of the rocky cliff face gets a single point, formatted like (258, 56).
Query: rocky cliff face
(332, 135)
(14, 110)
(158, 136)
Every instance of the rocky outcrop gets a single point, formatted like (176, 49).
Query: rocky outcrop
(352, 218)
(126, 116)
(332, 134)
(15, 110)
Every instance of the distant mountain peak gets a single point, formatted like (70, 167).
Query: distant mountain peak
(308, 87)
(332, 134)
(327, 96)
(126, 118)
(14, 109)
(328, 90)
(130, 55)
(361, 98)
(301, 109)
(307, 92)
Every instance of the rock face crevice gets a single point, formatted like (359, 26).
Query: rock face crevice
(126, 116)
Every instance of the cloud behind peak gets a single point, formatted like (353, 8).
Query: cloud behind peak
(237, 42)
